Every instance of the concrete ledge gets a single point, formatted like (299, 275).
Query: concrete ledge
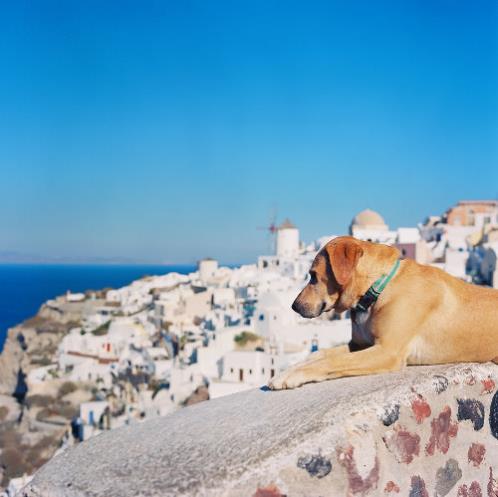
(424, 431)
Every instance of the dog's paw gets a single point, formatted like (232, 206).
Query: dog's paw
(287, 380)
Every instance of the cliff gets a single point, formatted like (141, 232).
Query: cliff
(31, 344)
(25, 441)
(424, 431)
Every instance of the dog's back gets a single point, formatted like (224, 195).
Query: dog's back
(462, 318)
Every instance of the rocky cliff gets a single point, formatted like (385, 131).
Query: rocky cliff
(25, 442)
(31, 344)
(424, 431)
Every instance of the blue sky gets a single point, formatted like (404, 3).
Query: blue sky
(167, 131)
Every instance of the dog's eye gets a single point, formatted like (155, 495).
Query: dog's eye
(313, 279)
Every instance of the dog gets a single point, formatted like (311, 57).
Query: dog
(421, 316)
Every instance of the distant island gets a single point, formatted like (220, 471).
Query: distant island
(14, 257)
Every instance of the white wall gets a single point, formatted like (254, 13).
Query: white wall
(287, 243)
(207, 269)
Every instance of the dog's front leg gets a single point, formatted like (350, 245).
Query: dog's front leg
(325, 355)
(375, 359)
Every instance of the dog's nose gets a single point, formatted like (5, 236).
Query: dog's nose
(294, 307)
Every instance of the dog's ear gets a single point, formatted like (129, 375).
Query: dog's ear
(343, 257)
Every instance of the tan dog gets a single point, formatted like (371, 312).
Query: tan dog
(423, 316)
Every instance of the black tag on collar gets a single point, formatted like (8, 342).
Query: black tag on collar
(367, 300)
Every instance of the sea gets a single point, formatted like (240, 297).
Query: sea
(25, 287)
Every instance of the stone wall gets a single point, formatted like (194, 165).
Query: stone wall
(427, 431)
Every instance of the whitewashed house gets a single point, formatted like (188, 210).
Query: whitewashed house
(243, 370)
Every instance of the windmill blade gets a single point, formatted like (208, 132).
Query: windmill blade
(271, 229)
(273, 219)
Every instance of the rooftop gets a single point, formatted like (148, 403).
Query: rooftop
(368, 218)
(287, 225)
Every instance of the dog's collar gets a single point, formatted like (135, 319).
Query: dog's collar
(375, 290)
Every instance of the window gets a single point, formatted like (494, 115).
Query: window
(231, 370)
(261, 317)
(250, 371)
(262, 370)
(272, 361)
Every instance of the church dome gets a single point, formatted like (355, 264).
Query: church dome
(368, 219)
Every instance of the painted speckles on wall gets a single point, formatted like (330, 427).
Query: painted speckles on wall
(492, 484)
(493, 415)
(420, 408)
(432, 442)
(488, 385)
(391, 488)
(316, 465)
(417, 487)
(447, 477)
(270, 491)
(356, 483)
(442, 429)
(472, 490)
(473, 410)
(476, 454)
(390, 414)
(440, 383)
(403, 444)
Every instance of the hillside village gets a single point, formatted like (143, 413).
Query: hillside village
(99, 360)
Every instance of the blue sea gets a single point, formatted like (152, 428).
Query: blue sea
(25, 287)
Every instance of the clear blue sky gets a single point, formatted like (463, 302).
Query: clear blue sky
(167, 131)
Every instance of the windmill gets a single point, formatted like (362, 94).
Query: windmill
(271, 230)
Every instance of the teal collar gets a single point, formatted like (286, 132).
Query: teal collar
(375, 290)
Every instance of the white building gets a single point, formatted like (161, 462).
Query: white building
(287, 241)
(370, 226)
(290, 259)
(243, 370)
(276, 322)
(75, 297)
(207, 269)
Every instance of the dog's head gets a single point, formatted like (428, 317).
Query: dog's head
(330, 274)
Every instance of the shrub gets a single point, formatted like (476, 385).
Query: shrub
(41, 361)
(102, 329)
(245, 337)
